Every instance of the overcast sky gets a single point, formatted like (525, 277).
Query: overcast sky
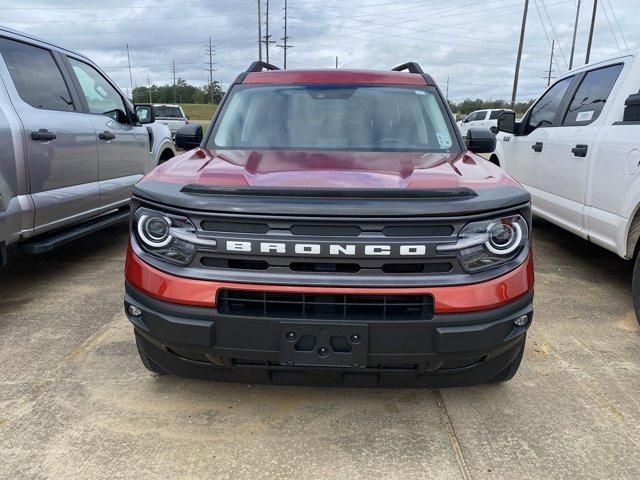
(473, 43)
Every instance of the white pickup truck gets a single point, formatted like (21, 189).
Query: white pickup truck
(577, 151)
(481, 119)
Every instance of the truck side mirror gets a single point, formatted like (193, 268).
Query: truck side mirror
(507, 122)
(145, 113)
(189, 136)
(480, 140)
(632, 108)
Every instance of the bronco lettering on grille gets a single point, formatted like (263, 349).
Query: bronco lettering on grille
(325, 249)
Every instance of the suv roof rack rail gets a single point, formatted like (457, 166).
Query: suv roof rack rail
(411, 67)
(259, 66)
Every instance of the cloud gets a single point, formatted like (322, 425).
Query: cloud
(471, 45)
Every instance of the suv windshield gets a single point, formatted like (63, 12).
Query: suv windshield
(168, 112)
(334, 117)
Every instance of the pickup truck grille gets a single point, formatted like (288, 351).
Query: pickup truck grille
(324, 306)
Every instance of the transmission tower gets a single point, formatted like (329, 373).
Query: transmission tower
(285, 40)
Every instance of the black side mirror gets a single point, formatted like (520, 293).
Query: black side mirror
(632, 108)
(507, 122)
(480, 140)
(189, 136)
(145, 113)
(494, 130)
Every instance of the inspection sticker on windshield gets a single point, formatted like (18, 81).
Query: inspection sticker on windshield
(443, 140)
(584, 116)
(420, 92)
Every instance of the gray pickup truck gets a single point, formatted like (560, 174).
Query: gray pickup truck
(71, 145)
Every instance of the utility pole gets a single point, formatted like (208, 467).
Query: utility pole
(173, 71)
(267, 38)
(149, 88)
(573, 43)
(447, 94)
(286, 37)
(593, 24)
(517, 73)
(210, 51)
(553, 46)
(336, 61)
(259, 32)
(130, 77)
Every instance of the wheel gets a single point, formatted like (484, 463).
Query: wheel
(148, 363)
(510, 370)
(635, 286)
(166, 155)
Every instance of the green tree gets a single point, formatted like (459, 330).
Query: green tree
(184, 93)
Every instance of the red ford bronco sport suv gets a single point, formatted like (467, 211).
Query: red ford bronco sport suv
(332, 228)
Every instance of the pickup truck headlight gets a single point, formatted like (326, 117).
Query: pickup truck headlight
(489, 243)
(166, 236)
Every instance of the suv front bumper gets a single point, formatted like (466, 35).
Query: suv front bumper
(449, 349)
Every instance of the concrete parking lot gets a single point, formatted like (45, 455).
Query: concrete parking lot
(75, 402)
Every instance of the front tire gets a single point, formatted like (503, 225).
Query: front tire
(510, 370)
(635, 287)
(148, 363)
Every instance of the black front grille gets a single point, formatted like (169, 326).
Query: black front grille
(325, 306)
(233, 227)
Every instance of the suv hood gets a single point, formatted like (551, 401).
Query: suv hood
(199, 178)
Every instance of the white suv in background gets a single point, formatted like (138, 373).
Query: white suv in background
(481, 119)
(171, 115)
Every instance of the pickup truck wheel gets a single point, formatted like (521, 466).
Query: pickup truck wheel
(635, 286)
(510, 370)
(166, 155)
(148, 363)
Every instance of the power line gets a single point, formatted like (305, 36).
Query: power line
(615, 18)
(285, 46)
(613, 34)
(555, 35)
(544, 27)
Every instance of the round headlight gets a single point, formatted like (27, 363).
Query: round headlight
(503, 238)
(154, 230)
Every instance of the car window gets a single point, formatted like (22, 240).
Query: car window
(480, 115)
(334, 117)
(165, 111)
(101, 96)
(36, 76)
(495, 114)
(590, 98)
(544, 110)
